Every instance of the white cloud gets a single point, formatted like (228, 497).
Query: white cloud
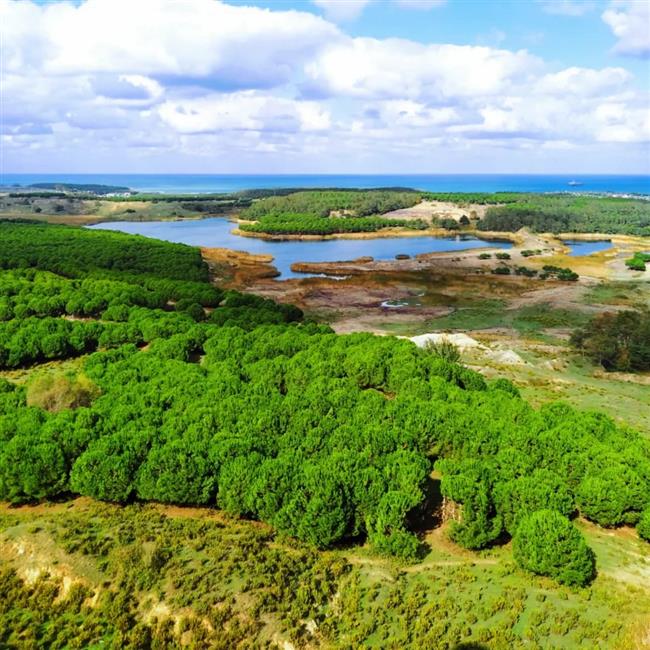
(586, 82)
(395, 68)
(567, 7)
(618, 122)
(630, 23)
(230, 45)
(410, 114)
(247, 111)
(203, 79)
(342, 10)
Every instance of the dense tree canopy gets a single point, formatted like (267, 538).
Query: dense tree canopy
(327, 212)
(567, 213)
(69, 251)
(323, 203)
(325, 437)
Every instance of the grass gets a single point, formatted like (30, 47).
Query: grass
(490, 314)
(628, 294)
(562, 375)
(190, 565)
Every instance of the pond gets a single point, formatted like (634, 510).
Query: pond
(580, 248)
(214, 232)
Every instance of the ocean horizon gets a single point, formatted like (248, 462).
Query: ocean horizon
(206, 183)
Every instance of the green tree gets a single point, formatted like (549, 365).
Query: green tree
(643, 527)
(548, 544)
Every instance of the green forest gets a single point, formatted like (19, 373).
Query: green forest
(199, 396)
(321, 203)
(567, 213)
(305, 224)
(327, 212)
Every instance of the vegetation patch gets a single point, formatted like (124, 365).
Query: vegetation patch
(617, 341)
(567, 213)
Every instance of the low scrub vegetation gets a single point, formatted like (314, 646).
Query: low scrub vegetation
(142, 576)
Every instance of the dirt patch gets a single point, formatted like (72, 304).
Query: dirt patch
(237, 268)
(439, 210)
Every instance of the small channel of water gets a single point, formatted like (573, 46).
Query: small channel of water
(215, 233)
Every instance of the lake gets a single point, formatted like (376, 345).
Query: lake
(215, 232)
(580, 248)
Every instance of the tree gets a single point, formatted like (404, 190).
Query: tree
(643, 527)
(543, 489)
(177, 472)
(31, 468)
(107, 469)
(548, 544)
(619, 341)
(603, 498)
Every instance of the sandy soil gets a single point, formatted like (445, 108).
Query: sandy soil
(439, 209)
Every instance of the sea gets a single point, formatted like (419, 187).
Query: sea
(206, 183)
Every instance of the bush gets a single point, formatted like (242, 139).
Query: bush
(619, 341)
(54, 392)
(444, 349)
(548, 544)
(643, 527)
(638, 261)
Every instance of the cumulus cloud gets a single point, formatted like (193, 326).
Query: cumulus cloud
(213, 81)
(630, 23)
(586, 82)
(232, 45)
(247, 111)
(396, 68)
(342, 10)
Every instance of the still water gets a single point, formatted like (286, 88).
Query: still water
(215, 233)
(580, 248)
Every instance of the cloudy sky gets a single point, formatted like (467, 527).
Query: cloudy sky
(326, 86)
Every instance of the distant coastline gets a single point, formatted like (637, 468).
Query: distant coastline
(618, 185)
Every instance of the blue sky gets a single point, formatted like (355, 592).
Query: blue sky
(326, 86)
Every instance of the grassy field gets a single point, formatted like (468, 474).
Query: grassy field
(82, 211)
(97, 574)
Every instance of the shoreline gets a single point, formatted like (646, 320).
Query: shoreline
(385, 233)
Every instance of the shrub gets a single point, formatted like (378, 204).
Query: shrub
(449, 224)
(638, 261)
(643, 527)
(55, 392)
(444, 349)
(548, 544)
(618, 341)
(503, 256)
